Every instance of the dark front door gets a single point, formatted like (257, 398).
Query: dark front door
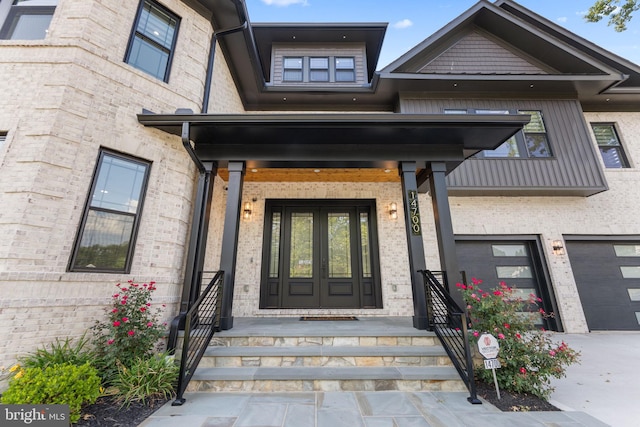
(320, 254)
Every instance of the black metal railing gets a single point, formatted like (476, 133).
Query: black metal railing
(449, 322)
(200, 323)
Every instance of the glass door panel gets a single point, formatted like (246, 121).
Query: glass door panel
(339, 244)
(301, 257)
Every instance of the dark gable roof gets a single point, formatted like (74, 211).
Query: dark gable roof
(533, 57)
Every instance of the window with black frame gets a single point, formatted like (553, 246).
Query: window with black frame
(610, 147)
(26, 19)
(107, 233)
(153, 39)
(531, 142)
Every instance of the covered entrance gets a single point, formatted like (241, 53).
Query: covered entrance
(320, 254)
(422, 147)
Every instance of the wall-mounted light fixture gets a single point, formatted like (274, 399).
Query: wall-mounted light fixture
(558, 247)
(247, 210)
(393, 210)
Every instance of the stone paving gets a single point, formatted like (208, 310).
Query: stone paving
(351, 409)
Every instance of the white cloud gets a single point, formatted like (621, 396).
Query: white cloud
(562, 19)
(284, 3)
(405, 23)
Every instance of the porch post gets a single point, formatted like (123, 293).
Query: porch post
(198, 238)
(414, 240)
(230, 241)
(444, 228)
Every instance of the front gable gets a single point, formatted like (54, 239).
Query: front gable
(478, 52)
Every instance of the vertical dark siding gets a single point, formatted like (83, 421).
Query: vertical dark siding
(574, 168)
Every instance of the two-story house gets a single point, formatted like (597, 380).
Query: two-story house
(159, 140)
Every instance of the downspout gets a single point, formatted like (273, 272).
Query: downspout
(212, 55)
(188, 292)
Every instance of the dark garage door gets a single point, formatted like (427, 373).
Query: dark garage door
(516, 262)
(608, 278)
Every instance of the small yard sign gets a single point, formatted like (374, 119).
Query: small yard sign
(489, 348)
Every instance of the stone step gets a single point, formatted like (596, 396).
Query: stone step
(325, 340)
(285, 354)
(265, 379)
(273, 356)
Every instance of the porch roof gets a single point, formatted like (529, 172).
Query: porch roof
(337, 140)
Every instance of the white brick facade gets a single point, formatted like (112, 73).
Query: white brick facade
(65, 97)
(71, 94)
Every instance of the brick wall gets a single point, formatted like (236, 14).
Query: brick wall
(64, 98)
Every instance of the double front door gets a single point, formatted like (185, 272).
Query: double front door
(320, 254)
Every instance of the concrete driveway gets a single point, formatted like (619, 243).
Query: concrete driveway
(606, 383)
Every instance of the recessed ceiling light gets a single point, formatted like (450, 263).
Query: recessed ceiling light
(387, 170)
(316, 170)
(254, 170)
(284, 99)
(355, 99)
(531, 85)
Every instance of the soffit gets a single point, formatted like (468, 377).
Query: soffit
(338, 140)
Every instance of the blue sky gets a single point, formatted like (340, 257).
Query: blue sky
(411, 21)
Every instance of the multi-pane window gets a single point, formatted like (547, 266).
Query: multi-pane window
(292, 69)
(153, 40)
(107, 233)
(345, 69)
(609, 144)
(318, 69)
(26, 19)
(532, 142)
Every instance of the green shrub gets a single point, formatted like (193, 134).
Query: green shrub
(65, 384)
(149, 378)
(60, 352)
(528, 356)
(132, 330)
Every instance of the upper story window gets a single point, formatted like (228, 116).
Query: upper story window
(318, 69)
(293, 69)
(3, 139)
(153, 39)
(107, 234)
(531, 142)
(25, 19)
(610, 147)
(345, 69)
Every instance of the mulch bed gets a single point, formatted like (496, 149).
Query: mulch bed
(106, 412)
(513, 402)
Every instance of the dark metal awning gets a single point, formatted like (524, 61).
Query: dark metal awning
(338, 140)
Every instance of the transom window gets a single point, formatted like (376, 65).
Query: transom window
(610, 147)
(106, 236)
(318, 69)
(26, 19)
(531, 142)
(153, 40)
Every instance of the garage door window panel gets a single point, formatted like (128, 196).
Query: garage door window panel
(627, 250)
(630, 272)
(634, 294)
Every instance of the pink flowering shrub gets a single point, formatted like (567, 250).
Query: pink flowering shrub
(528, 356)
(132, 330)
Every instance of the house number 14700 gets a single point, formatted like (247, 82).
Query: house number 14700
(414, 213)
